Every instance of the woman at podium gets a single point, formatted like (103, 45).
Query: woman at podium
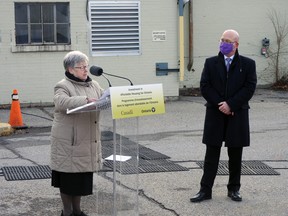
(75, 138)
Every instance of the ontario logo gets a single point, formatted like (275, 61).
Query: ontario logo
(148, 110)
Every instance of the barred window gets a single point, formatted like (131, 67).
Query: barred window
(115, 27)
(42, 23)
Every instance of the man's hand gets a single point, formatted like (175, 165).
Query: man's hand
(224, 108)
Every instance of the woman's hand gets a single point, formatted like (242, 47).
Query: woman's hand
(89, 100)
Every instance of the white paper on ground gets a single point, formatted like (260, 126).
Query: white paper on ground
(119, 158)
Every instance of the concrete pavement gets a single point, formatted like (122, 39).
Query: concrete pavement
(178, 134)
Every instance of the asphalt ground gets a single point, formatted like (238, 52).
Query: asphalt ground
(177, 134)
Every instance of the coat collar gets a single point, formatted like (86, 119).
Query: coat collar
(72, 77)
(76, 80)
(235, 58)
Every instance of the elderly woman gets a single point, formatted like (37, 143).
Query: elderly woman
(75, 138)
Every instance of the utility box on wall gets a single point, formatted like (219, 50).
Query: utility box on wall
(162, 69)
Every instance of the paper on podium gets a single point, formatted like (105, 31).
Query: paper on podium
(103, 103)
(105, 94)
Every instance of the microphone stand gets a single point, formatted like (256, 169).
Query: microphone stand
(107, 80)
(118, 77)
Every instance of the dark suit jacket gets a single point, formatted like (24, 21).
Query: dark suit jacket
(236, 88)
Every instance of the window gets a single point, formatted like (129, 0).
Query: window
(115, 27)
(42, 23)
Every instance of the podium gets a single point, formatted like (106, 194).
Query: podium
(120, 146)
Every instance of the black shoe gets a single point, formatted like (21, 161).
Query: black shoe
(234, 195)
(62, 214)
(81, 214)
(200, 196)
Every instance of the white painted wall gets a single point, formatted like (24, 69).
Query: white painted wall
(249, 18)
(34, 74)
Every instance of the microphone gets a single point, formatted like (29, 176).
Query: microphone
(98, 71)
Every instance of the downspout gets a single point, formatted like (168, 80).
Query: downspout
(181, 40)
(87, 8)
(190, 63)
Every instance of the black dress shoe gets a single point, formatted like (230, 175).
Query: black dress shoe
(62, 214)
(200, 196)
(235, 195)
(81, 214)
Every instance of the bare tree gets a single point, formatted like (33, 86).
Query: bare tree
(280, 25)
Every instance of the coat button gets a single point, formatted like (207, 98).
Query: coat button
(95, 141)
(95, 122)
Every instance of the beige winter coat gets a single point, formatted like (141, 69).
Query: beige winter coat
(75, 138)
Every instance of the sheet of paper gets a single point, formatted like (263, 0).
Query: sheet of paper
(106, 93)
(119, 158)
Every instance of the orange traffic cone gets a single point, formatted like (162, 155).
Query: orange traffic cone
(16, 120)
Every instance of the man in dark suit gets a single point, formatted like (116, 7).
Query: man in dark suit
(228, 82)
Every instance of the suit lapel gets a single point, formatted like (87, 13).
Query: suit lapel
(221, 69)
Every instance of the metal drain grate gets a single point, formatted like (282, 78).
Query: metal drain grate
(248, 168)
(13, 173)
(149, 154)
(149, 160)
(145, 166)
(128, 147)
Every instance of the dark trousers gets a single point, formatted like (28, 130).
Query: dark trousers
(211, 166)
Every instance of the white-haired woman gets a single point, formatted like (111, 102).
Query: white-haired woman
(75, 138)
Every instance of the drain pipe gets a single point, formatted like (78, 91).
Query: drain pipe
(190, 63)
(181, 39)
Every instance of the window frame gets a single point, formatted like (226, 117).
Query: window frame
(42, 45)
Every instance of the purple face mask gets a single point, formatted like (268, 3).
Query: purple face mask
(226, 48)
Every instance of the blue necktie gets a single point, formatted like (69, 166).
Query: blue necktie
(228, 60)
